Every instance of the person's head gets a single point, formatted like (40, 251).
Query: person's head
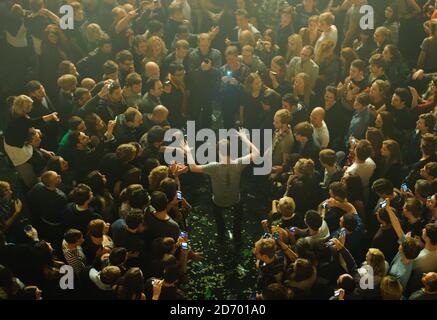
(135, 220)
(429, 234)
(426, 122)
(303, 132)
(330, 96)
(177, 71)
(5, 190)
(159, 114)
(22, 106)
(51, 179)
(328, 158)
(275, 291)
(433, 28)
(265, 250)
(278, 65)
(118, 256)
(313, 220)
(391, 288)
(88, 84)
(317, 116)
(172, 273)
(363, 150)
(410, 248)
(34, 137)
(281, 119)
(82, 96)
(182, 48)
(379, 91)
(156, 28)
(289, 102)
(155, 136)
(270, 36)
(286, 206)
(175, 12)
(67, 67)
(429, 281)
(303, 271)
(246, 38)
(125, 61)
(307, 53)
(326, 20)
(93, 33)
(346, 282)
(154, 87)
(67, 83)
(247, 54)
(349, 222)
(429, 171)
(204, 42)
(242, 18)
(115, 94)
(81, 194)
(376, 259)
(362, 101)
(382, 35)
(73, 237)
(110, 70)
(139, 44)
(97, 182)
(357, 70)
(231, 55)
(348, 55)
(133, 118)
(391, 54)
(354, 187)
(105, 44)
(151, 70)
(428, 144)
(377, 65)
(401, 98)
(304, 167)
(156, 48)
(170, 188)
(338, 191)
(159, 201)
(301, 84)
(132, 284)
(294, 45)
(110, 274)
(126, 153)
(422, 189)
(412, 209)
(391, 151)
(287, 15)
(313, 23)
(390, 12)
(134, 82)
(385, 122)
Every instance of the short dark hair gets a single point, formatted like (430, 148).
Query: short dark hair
(304, 129)
(134, 218)
(404, 94)
(80, 194)
(347, 283)
(328, 157)
(411, 248)
(123, 55)
(338, 189)
(117, 256)
(130, 114)
(139, 198)
(32, 86)
(431, 232)
(313, 219)
(242, 12)
(350, 222)
(364, 150)
(79, 93)
(383, 186)
(423, 188)
(359, 64)
(74, 122)
(159, 201)
(110, 67)
(377, 60)
(429, 120)
(291, 99)
(303, 270)
(431, 169)
(428, 144)
(133, 78)
(171, 273)
(414, 206)
(363, 99)
(72, 236)
(155, 25)
(150, 84)
(169, 187)
(155, 134)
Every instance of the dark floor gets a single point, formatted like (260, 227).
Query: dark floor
(225, 272)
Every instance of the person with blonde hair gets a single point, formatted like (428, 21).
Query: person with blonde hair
(156, 176)
(294, 47)
(16, 135)
(302, 89)
(329, 30)
(156, 50)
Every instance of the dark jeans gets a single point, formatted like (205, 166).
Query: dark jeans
(237, 211)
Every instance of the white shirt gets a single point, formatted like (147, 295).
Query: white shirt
(363, 170)
(426, 261)
(321, 135)
(330, 35)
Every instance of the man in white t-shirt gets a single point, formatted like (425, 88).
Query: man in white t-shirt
(363, 166)
(320, 133)
(329, 30)
(427, 259)
(317, 226)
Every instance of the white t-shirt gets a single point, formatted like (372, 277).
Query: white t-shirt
(363, 170)
(321, 135)
(426, 261)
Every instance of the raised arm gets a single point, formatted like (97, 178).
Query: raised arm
(395, 222)
(191, 163)
(254, 154)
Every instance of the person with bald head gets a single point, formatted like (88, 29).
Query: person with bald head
(320, 133)
(151, 70)
(158, 117)
(46, 202)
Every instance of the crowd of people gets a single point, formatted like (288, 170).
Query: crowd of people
(84, 182)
